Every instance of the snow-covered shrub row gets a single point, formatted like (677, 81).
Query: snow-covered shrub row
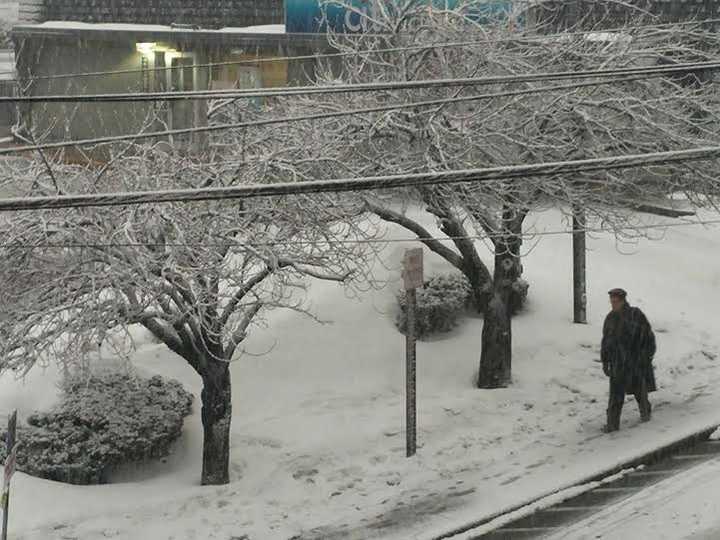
(102, 422)
(440, 303)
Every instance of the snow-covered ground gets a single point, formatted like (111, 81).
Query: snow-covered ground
(317, 437)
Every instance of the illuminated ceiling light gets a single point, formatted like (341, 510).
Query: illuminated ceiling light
(146, 48)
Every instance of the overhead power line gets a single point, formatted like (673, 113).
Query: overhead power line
(345, 54)
(359, 184)
(364, 87)
(558, 232)
(292, 119)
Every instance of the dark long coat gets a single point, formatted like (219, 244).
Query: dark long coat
(628, 348)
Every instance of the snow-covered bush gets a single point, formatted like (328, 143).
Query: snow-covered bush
(443, 299)
(6, 41)
(102, 422)
(440, 303)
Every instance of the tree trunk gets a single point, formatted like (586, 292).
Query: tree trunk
(480, 285)
(496, 356)
(216, 416)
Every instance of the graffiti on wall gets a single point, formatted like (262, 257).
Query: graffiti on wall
(355, 16)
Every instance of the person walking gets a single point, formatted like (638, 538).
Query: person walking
(627, 352)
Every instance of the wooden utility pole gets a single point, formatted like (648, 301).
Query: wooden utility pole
(9, 469)
(413, 279)
(579, 266)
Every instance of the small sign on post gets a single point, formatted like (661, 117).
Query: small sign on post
(413, 269)
(413, 279)
(8, 471)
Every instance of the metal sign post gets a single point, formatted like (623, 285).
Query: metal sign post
(413, 278)
(8, 471)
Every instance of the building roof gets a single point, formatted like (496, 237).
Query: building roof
(135, 27)
(268, 35)
(203, 13)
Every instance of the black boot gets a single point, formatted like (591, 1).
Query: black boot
(613, 420)
(646, 413)
(614, 411)
(643, 404)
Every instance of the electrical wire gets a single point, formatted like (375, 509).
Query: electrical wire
(342, 185)
(301, 118)
(363, 87)
(558, 232)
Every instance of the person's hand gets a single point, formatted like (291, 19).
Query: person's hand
(606, 369)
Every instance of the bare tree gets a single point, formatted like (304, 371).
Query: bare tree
(513, 123)
(196, 276)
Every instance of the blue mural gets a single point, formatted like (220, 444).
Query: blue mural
(316, 16)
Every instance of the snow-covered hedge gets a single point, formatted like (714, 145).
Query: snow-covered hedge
(102, 422)
(440, 303)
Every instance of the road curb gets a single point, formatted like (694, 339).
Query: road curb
(646, 458)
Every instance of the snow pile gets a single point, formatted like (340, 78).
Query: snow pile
(135, 27)
(128, 27)
(317, 438)
(261, 29)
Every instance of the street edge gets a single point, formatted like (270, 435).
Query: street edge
(647, 458)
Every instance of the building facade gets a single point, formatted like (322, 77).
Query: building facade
(121, 46)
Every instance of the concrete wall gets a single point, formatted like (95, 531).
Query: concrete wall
(204, 13)
(57, 121)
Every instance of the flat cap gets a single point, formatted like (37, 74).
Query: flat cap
(620, 293)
